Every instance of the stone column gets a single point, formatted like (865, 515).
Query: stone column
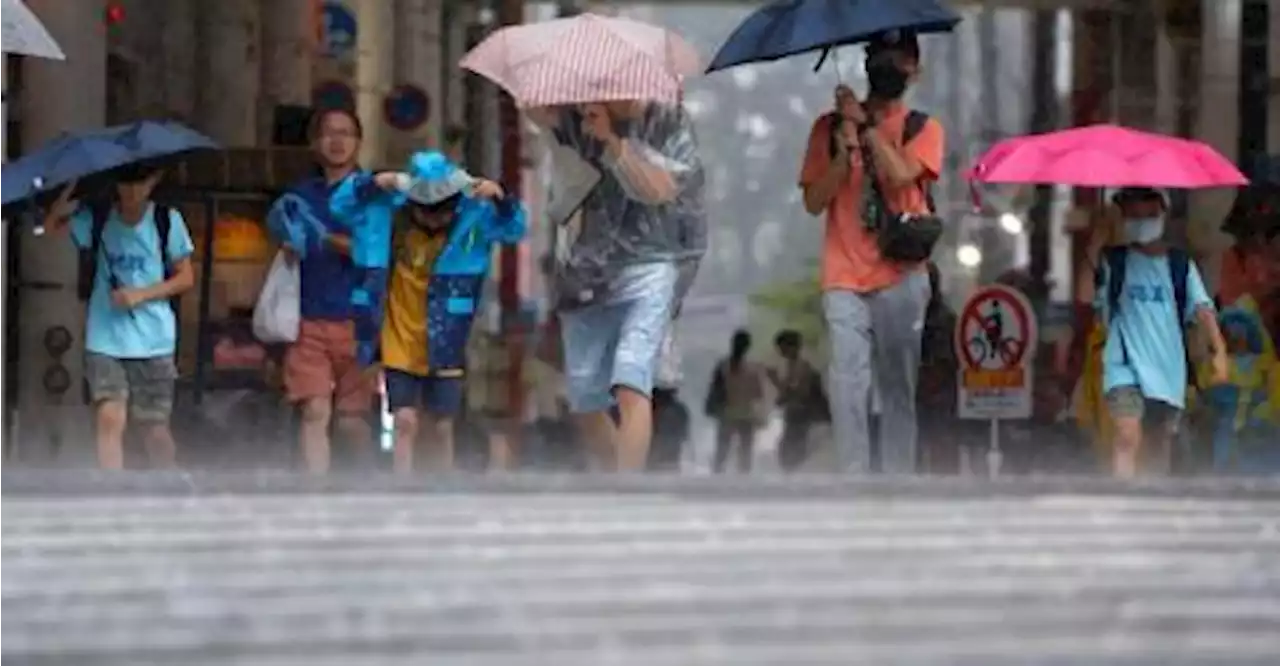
(230, 51)
(1167, 101)
(418, 58)
(451, 108)
(57, 96)
(179, 48)
(1135, 40)
(375, 20)
(288, 47)
(1218, 124)
(138, 41)
(1273, 62)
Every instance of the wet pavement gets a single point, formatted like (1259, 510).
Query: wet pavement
(647, 571)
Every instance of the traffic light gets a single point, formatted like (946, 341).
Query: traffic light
(114, 14)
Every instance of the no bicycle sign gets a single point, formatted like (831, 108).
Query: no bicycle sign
(995, 341)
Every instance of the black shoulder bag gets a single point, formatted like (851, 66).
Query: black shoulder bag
(903, 237)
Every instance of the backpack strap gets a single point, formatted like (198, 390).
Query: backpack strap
(1179, 269)
(914, 125)
(1116, 260)
(911, 128)
(88, 278)
(89, 256)
(164, 225)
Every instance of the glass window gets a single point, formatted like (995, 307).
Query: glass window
(240, 251)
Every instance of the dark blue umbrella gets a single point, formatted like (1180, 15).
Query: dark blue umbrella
(72, 157)
(789, 27)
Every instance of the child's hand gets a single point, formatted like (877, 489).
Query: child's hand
(1221, 369)
(391, 181)
(487, 189)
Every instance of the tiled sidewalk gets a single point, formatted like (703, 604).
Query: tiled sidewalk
(590, 571)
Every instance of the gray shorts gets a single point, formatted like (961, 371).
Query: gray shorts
(1129, 402)
(146, 384)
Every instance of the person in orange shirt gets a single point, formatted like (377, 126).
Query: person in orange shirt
(1244, 269)
(869, 301)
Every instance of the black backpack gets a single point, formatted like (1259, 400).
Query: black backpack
(88, 269)
(911, 129)
(1116, 259)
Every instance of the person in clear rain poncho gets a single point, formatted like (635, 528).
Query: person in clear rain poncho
(632, 257)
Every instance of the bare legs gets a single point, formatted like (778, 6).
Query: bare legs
(1133, 445)
(503, 455)
(622, 447)
(317, 452)
(112, 422)
(112, 418)
(436, 433)
(314, 434)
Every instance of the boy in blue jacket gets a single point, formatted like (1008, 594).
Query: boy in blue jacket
(423, 278)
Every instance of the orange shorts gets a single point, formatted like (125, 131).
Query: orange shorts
(322, 364)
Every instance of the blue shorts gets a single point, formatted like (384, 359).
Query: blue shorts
(617, 342)
(437, 395)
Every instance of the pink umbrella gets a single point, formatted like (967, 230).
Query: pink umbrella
(587, 58)
(1105, 156)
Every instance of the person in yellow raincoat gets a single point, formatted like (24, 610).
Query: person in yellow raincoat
(1244, 412)
(1103, 229)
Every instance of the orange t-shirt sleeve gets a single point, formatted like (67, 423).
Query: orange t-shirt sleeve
(817, 156)
(927, 148)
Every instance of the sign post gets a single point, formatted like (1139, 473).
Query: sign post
(995, 340)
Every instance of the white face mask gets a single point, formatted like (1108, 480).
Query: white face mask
(1144, 230)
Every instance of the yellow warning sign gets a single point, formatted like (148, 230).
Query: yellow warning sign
(977, 379)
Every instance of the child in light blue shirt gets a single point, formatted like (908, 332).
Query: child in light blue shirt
(141, 259)
(1144, 360)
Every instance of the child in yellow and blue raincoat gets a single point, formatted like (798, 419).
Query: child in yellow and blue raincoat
(1245, 411)
(421, 283)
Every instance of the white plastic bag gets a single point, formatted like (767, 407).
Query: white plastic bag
(276, 316)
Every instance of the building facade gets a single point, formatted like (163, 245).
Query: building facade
(245, 71)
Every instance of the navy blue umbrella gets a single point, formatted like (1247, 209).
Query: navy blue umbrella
(789, 27)
(72, 157)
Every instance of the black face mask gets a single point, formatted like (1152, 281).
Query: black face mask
(885, 79)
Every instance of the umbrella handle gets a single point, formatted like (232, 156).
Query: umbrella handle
(822, 59)
(114, 282)
(834, 53)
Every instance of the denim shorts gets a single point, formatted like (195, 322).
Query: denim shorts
(438, 396)
(617, 342)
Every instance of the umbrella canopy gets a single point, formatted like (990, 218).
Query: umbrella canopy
(24, 34)
(789, 27)
(587, 58)
(1106, 156)
(73, 157)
